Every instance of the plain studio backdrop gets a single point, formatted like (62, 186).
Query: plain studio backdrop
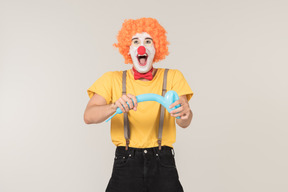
(232, 53)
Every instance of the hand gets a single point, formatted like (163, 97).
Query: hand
(121, 103)
(182, 111)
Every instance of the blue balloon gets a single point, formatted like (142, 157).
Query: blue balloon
(169, 98)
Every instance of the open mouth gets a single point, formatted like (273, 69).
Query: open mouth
(142, 59)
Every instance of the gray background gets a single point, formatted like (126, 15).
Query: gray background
(232, 53)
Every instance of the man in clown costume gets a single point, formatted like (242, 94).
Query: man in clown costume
(144, 133)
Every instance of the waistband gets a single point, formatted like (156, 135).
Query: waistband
(120, 150)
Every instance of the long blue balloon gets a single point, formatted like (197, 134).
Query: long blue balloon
(169, 98)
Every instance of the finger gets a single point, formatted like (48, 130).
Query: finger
(178, 114)
(129, 101)
(177, 110)
(134, 100)
(118, 104)
(184, 116)
(174, 104)
(181, 113)
(124, 104)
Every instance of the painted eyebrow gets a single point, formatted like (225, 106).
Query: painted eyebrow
(145, 38)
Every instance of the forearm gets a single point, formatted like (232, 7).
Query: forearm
(98, 113)
(185, 122)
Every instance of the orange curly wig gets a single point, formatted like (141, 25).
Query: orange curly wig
(149, 25)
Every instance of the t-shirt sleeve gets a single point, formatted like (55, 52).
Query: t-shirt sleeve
(103, 87)
(180, 85)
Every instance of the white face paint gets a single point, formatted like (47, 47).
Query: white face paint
(142, 52)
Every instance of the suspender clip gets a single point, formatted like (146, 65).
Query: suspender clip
(159, 143)
(127, 144)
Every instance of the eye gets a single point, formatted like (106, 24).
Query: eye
(135, 42)
(148, 41)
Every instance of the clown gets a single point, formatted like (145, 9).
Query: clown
(143, 159)
(142, 42)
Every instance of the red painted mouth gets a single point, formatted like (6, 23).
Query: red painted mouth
(142, 59)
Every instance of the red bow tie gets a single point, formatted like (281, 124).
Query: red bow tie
(147, 75)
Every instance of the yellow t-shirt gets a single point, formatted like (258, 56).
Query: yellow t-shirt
(143, 122)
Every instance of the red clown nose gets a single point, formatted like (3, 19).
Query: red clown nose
(141, 50)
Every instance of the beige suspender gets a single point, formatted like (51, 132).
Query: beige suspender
(126, 122)
(160, 130)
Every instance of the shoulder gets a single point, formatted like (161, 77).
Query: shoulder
(170, 71)
(112, 74)
(174, 73)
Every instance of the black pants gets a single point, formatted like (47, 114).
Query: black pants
(144, 170)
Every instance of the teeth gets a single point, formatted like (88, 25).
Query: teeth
(142, 55)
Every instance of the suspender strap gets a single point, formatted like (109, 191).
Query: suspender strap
(162, 110)
(126, 122)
